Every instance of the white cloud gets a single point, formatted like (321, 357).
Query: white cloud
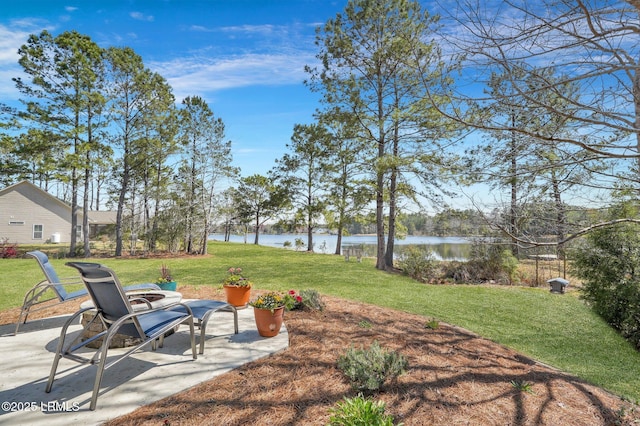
(266, 29)
(8, 92)
(200, 28)
(253, 29)
(189, 76)
(70, 8)
(10, 42)
(277, 58)
(141, 16)
(12, 37)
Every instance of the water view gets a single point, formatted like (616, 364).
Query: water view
(444, 248)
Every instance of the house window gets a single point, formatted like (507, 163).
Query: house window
(37, 232)
(78, 232)
(16, 222)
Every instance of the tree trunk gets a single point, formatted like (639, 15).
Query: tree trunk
(388, 257)
(636, 124)
(255, 241)
(393, 187)
(85, 211)
(87, 192)
(120, 212)
(74, 212)
(227, 231)
(309, 234)
(514, 190)
(560, 215)
(380, 250)
(133, 243)
(380, 261)
(205, 236)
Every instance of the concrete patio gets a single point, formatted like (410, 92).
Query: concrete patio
(141, 379)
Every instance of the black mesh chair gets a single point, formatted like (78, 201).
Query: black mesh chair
(115, 312)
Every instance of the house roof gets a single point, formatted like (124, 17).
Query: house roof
(29, 185)
(102, 217)
(95, 217)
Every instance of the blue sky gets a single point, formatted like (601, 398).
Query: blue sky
(246, 58)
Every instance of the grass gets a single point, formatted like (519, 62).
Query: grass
(558, 330)
(522, 386)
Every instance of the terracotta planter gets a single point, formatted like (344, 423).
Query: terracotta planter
(237, 296)
(267, 322)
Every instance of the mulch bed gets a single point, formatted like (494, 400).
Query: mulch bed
(454, 377)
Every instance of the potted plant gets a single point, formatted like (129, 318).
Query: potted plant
(268, 311)
(237, 288)
(166, 281)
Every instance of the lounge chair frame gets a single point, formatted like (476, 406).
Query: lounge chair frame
(115, 312)
(202, 311)
(57, 285)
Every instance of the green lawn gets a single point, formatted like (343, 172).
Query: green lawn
(558, 330)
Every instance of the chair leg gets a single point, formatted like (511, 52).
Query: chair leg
(203, 329)
(59, 350)
(205, 319)
(193, 339)
(52, 374)
(24, 313)
(235, 318)
(100, 372)
(20, 320)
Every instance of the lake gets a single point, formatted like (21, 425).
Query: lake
(444, 248)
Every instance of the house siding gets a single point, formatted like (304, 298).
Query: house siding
(27, 203)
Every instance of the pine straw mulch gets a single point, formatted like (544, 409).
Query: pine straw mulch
(454, 377)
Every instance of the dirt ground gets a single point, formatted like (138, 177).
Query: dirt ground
(454, 378)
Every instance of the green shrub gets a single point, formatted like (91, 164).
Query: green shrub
(433, 324)
(608, 262)
(456, 271)
(487, 262)
(523, 386)
(311, 300)
(509, 264)
(308, 300)
(360, 411)
(368, 369)
(418, 263)
(365, 324)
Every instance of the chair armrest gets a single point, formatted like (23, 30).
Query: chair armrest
(41, 288)
(47, 283)
(76, 280)
(147, 311)
(123, 319)
(141, 299)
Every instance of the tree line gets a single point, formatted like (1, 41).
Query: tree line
(99, 121)
(537, 101)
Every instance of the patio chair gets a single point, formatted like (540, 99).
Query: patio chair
(115, 312)
(202, 311)
(57, 286)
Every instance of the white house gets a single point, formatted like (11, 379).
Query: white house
(30, 215)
